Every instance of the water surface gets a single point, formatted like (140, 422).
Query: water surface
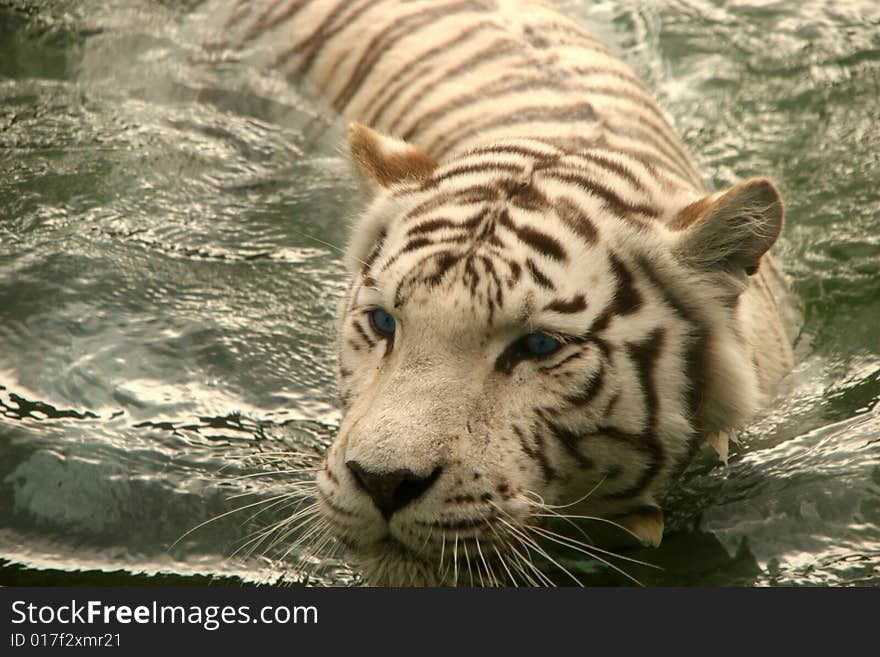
(169, 222)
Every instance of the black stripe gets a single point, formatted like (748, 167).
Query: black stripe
(388, 38)
(465, 196)
(465, 169)
(515, 273)
(524, 195)
(499, 48)
(366, 338)
(470, 276)
(392, 89)
(541, 242)
(514, 149)
(423, 242)
(579, 37)
(311, 46)
(555, 366)
(588, 394)
(446, 260)
(696, 359)
(580, 111)
(567, 438)
(493, 89)
(375, 251)
(575, 305)
(644, 356)
(432, 225)
(573, 217)
(627, 299)
(537, 453)
(538, 276)
(263, 22)
(651, 162)
(626, 76)
(613, 166)
(490, 269)
(612, 201)
(655, 137)
(412, 245)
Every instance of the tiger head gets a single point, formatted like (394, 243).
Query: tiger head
(520, 337)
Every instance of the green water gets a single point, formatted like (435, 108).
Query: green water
(166, 311)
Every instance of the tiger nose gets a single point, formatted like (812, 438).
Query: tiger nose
(391, 491)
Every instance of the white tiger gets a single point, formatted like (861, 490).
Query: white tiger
(548, 308)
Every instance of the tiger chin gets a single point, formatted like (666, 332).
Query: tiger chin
(549, 313)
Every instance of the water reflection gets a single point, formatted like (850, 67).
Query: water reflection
(169, 269)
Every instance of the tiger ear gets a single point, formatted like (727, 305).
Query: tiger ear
(385, 160)
(732, 231)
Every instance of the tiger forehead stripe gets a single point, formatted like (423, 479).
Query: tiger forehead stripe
(574, 218)
(539, 276)
(472, 195)
(432, 225)
(611, 199)
(574, 305)
(465, 169)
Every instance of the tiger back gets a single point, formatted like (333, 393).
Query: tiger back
(547, 309)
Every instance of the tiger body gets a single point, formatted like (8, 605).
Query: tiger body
(532, 188)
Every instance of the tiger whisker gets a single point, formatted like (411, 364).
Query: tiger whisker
(490, 575)
(561, 540)
(315, 525)
(292, 526)
(467, 560)
(455, 560)
(294, 468)
(293, 498)
(540, 501)
(523, 561)
(592, 546)
(265, 533)
(322, 539)
(499, 553)
(223, 515)
(442, 554)
(294, 488)
(318, 527)
(530, 543)
(234, 458)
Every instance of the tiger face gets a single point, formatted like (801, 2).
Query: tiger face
(518, 338)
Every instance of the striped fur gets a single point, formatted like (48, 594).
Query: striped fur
(532, 185)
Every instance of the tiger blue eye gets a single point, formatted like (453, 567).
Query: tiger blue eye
(541, 344)
(382, 321)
